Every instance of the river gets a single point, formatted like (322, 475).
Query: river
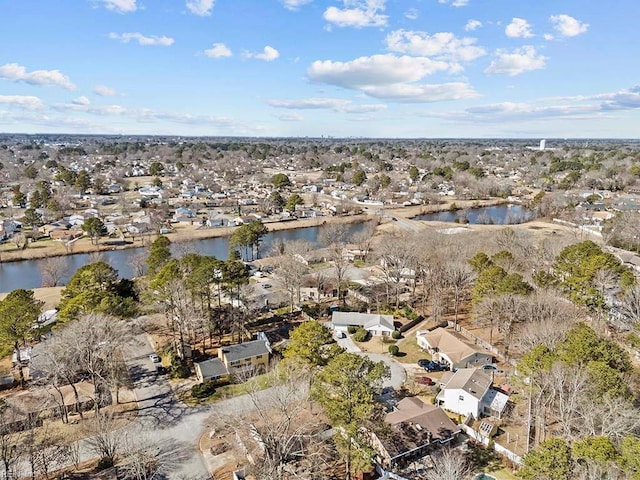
(26, 274)
(495, 215)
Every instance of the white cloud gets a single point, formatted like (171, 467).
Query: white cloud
(202, 8)
(392, 78)
(104, 91)
(18, 73)
(290, 117)
(443, 46)
(335, 104)
(518, 61)
(218, 50)
(294, 4)
(548, 36)
(81, 101)
(27, 102)
(100, 110)
(421, 93)
(472, 25)
(357, 13)
(455, 3)
(568, 26)
(268, 54)
(518, 28)
(411, 14)
(375, 70)
(144, 40)
(120, 6)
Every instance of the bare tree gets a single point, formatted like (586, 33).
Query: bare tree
(630, 307)
(449, 464)
(10, 439)
(53, 270)
(104, 439)
(364, 239)
(142, 458)
(458, 277)
(396, 263)
(335, 237)
(280, 431)
(291, 269)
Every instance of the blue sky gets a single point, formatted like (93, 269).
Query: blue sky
(368, 68)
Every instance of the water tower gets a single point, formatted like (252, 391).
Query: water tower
(543, 144)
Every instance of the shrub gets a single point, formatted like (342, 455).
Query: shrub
(179, 368)
(396, 334)
(352, 330)
(361, 335)
(203, 390)
(394, 350)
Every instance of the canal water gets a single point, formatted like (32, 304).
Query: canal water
(26, 274)
(496, 215)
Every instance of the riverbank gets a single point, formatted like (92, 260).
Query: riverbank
(47, 248)
(50, 248)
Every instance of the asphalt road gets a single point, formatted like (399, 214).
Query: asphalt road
(162, 419)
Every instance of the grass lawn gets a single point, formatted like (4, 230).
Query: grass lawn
(374, 345)
(503, 475)
(412, 351)
(259, 382)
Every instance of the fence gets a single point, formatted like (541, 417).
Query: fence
(478, 437)
(477, 340)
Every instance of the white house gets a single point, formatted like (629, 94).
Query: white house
(453, 348)
(468, 392)
(375, 324)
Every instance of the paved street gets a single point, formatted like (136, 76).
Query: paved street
(175, 427)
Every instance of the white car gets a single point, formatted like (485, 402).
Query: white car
(154, 358)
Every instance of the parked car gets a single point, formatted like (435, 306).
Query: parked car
(435, 367)
(425, 381)
(160, 370)
(423, 362)
(266, 285)
(154, 358)
(491, 368)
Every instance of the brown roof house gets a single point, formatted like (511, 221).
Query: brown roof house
(414, 429)
(233, 359)
(453, 348)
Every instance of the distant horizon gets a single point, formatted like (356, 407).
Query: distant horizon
(314, 68)
(240, 137)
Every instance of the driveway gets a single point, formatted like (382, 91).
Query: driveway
(398, 373)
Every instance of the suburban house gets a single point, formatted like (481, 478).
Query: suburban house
(247, 356)
(375, 324)
(411, 431)
(453, 348)
(468, 392)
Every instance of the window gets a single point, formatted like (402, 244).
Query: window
(461, 398)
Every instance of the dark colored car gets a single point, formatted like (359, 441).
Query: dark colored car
(160, 370)
(423, 362)
(435, 367)
(425, 381)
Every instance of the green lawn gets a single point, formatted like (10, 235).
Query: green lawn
(412, 352)
(259, 382)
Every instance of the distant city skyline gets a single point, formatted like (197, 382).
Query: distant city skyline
(340, 68)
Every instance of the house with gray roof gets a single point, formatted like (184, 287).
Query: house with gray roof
(243, 357)
(375, 324)
(468, 392)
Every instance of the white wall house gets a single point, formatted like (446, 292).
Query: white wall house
(375, 324)
(468, 392)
